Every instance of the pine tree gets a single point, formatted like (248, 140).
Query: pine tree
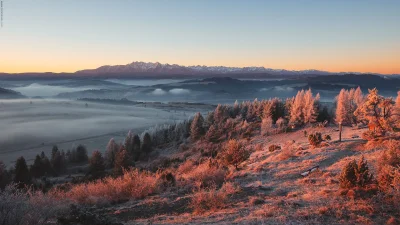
(136, 147)
(22, 175)
(96, 164)
(5, 176)
(37, 168)
(196, 128)
(146, 144)
(129, 143)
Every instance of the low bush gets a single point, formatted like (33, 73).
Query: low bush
(209, 199)
(288, 150)
(273, 148)
(132, 184)
(355, 174)
(234, 153)
(204, 175)
(327, 137)
(26, 207)
(315, 139)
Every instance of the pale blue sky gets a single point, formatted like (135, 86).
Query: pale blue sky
(48, 35)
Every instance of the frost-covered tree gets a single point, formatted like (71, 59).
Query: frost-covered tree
(358, 97)
(310, 110)
(111, 151)
(377, 111)
(342, 108)
(267, 126)
(396, 110)
(196, 128)
(296, 111)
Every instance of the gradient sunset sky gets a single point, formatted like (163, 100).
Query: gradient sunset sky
(65, 36)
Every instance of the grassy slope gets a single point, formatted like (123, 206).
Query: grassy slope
(285, 196)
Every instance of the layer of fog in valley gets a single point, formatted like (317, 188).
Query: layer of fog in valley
(29, 126)
(38, 113)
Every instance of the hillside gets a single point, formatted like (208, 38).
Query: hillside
(259, 162)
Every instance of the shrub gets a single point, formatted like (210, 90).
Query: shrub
(204, 175)
(272, 148)
(133, 184)
(315, 139)
(234, 153)
(21, 207)
(209, 199)
(165, 178)
(288, 150)
(327, 137)
(355, 174)
(389, 166)
(391, 156)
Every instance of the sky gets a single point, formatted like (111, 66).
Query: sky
(66, 36)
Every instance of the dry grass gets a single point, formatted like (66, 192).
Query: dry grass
(288, 151)
(133, 184)
(203, 175)
(21, 207)
(211, 199)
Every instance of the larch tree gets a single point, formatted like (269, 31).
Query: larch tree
(296, 111)
(122, 161)
(111, 151)
(358, 97)
(341, 110)
(310, 110)
(377, 112)
(96, 163)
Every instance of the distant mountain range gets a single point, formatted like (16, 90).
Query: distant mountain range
(174, 69)
(158, 70)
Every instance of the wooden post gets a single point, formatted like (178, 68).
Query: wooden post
(340, 132)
